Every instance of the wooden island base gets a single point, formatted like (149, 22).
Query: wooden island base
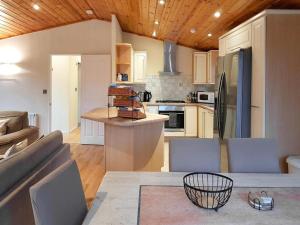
(131, 145)
(134, 148)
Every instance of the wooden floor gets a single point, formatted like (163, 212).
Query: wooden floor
(90, 162)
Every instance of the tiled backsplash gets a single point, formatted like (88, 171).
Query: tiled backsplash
(171, 87)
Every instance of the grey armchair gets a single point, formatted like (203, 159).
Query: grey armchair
(253, 155)
(58, 198)
(194, 155)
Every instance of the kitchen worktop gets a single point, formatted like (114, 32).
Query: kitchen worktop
(101, 115)
(205, 106)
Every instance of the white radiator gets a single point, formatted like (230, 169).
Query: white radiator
(33, 119)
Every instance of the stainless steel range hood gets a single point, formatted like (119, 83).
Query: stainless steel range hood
(169, 59)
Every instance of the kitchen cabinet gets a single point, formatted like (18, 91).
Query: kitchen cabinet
(240, 38)
(200, 68)
(124, 62)
(205, 67)
(258, 77)
(140, 62)
(212, 61)
(190, 121)
(205, 123)
(209, 124)
(222, 47)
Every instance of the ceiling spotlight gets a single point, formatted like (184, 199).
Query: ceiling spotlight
(217, 14)
(89, 12)
(156, 22)
(209, 35)
(162, 2)
(193, 30)
(154, 34)
(36, 6)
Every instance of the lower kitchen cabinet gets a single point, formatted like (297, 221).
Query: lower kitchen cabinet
(205, 123)
(209, 124)
(190, 121)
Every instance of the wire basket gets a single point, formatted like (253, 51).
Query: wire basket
(208, 190)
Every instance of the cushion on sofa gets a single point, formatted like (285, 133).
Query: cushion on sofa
(14, 124)
(17, 120)
(3, 126)
(15, 168)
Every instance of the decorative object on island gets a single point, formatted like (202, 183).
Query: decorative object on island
(208, 190)
(127, 101)
(261, 201)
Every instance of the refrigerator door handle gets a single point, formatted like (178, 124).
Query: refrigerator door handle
(224, 105)
(219, 106)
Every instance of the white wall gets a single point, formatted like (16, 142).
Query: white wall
(155, 59)
(25, 91)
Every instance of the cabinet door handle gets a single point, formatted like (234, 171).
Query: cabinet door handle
(255, 106)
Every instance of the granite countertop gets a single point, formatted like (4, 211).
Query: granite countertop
(101, 115)
(117, 200)
(205, 106)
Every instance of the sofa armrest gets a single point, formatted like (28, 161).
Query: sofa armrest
(18, 136)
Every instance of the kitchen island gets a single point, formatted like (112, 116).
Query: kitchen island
(131, 145)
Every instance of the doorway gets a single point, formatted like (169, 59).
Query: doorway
(65, 87)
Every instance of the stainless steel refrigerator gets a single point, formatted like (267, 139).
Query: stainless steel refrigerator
(233, 95)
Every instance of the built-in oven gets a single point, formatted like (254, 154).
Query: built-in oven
(176, 117)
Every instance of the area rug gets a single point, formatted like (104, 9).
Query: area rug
(168, 205)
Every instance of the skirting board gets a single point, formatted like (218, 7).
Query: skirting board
(91, 132)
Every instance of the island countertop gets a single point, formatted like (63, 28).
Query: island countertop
(101, 115)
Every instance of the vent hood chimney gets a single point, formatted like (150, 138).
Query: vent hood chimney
(169, 59)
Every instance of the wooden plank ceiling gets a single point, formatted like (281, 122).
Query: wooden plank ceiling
(175, 18)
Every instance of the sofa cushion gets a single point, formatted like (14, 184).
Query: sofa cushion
(3, 126)
(14, 124)
(17, 120)
(15, 168)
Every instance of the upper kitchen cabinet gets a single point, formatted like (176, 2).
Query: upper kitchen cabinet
(140, 63)
(124, 63)
(200, 68)
(205, 67)
(212, 61)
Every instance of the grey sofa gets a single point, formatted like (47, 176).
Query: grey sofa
(20, 171)
(17, 130)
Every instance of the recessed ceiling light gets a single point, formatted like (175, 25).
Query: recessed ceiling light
(193, 30)
(162, 2)
(154, 34)
(217, 14)
(36, 6)
(209, 35)
(156, 22)
(89, 12)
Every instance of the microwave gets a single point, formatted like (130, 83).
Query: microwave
(206, 97)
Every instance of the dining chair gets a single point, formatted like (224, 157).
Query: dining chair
(194, 155)
(253, 155)
(58, 198)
